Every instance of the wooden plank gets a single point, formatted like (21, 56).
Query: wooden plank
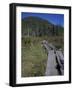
(51, 64)
(60, 59)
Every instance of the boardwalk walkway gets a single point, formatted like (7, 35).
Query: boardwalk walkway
(55, 62)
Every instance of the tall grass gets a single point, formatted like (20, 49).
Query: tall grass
(33, 60)
(34, 57)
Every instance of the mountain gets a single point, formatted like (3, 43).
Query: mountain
(35, 26)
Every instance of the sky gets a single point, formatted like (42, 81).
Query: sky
(57, 19)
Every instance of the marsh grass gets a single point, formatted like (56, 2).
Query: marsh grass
(33, 60)
(34, 57)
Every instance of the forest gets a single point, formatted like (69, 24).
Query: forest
(35, 26)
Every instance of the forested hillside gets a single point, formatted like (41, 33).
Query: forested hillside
(35, 26)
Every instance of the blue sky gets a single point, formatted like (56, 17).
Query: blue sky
(57, 19)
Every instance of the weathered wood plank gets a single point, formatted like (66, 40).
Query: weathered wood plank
(51, 64)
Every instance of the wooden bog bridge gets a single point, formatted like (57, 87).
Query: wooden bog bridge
(55, 62)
